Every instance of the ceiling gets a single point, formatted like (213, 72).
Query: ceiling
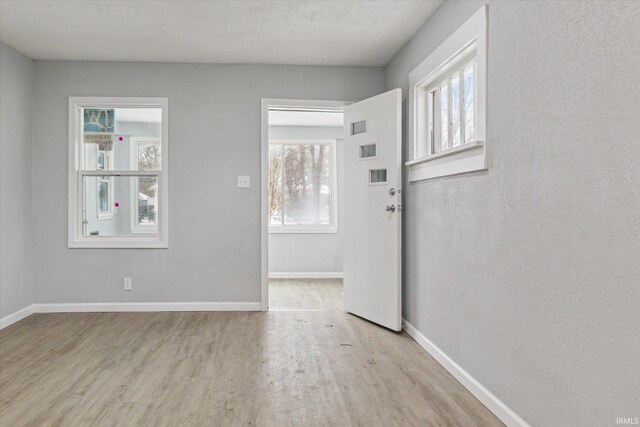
(301, 32)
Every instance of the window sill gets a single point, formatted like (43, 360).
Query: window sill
(302, 230)
(449, 152)
(467, 158)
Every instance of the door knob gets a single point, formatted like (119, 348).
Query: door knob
(391, 208)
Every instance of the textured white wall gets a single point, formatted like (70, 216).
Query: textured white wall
(16, 255)
(528, 274)
(214, 136)
(309, 253)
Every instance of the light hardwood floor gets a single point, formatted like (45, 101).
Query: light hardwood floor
(277, 368)
(305, 293)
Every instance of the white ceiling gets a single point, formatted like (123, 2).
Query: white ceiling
(305, 118)
(303, 32)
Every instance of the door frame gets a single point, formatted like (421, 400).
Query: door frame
(266, 103)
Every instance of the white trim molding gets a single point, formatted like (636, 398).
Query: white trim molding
(77, 172)
(265, 105)
(146, 306)
(488, 399)
(115, 307)
(16, 316)
(306, 275)
(468, 42)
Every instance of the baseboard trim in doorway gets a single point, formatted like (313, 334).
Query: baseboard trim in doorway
(16, 316)
(488, 399)
(303, 275)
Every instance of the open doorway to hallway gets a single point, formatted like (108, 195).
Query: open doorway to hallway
(304, 178)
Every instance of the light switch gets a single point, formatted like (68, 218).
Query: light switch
(244, 181)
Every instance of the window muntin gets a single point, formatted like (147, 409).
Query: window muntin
(116, 199)
(302, 186)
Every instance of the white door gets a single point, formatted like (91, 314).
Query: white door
(373, 209)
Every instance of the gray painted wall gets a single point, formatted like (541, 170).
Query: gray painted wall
(16, 251)
(214, 136)
(309, 253)
(528, 274)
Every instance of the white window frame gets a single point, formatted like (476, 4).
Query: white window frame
(76, 239)
(134, 142)
(310, 229)
(468, 43)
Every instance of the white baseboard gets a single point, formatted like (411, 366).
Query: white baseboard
(16, 316)
(495, 405)
(147, 306)
(303, 275)
(128, 306)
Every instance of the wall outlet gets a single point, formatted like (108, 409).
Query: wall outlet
(128, 285)
(244, 181)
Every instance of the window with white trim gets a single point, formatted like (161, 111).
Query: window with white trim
(118, 178)
(302, 186)
(447, 101)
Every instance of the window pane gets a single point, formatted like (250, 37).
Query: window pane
(149, 157)
(358, 127)
(377, 175)
(444, 116)
(120, 205)
(275, 184)
(455, 109)
(468, 104)
(109, 130)
(103, 196)
(368, 150)
(147, 200)
(307, 192)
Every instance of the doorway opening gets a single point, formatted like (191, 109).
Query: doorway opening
(302, 150)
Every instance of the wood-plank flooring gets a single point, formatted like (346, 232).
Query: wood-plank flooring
(276, 368)
(305, 293)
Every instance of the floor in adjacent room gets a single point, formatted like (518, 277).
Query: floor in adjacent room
(274, 368)
(305, 294)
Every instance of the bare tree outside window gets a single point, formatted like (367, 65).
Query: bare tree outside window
(149, 158)
(300, 184)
